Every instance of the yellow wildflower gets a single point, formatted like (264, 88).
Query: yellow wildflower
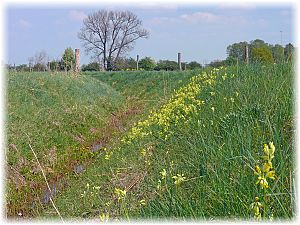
(269, 152)
(163, 174)
(256, 208)
(104, 217)
(158, 186)
(143, 202)
(266, 173)
(108, 155)
(121, 194)
(262, 181)
(179, 179)
(271, 174)
(143, 152)
(257, 170)
(181, 105)
(267, 166)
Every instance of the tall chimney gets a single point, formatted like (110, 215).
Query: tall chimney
(77, 63)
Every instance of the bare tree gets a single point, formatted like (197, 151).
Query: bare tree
(30, 63)
(40, 60)
(109, 34)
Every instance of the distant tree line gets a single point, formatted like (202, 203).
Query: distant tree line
(258, 51)
(146, 63)
(41, 62)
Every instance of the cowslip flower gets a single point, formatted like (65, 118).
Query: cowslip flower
(163, 174)
(271, 174)
(256, 208)
(143, 152)
(264, 173)
(262, 181)
(179, 179)
(267, 170)
(269, 151)
(158, 186)
(143, 202)
(104, 217)
(121, 194)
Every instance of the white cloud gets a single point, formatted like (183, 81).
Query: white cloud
(238, 6)
(261, 22)
(155, 5)
(201, 17)
(285, 13)
(241, 20)
(206, 17)
(77, 15)
(24, 23)
(161, 20)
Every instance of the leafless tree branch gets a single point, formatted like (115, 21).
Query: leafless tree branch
(110, 34)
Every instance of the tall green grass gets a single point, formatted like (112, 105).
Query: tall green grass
(220, 149)
(216, 150)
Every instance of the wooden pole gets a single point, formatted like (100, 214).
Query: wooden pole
(77, 63)
(137, 62)
(247, 55)
(179, 61)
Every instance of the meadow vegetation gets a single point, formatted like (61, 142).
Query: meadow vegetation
(64, 117)
(171, 145)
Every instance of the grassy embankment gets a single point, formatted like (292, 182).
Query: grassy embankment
(67, 119)
(194, 157)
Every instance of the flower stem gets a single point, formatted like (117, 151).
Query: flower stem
(265, 203)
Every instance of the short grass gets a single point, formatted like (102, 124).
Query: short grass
(55, 113)
(216, 149)
(146, 89)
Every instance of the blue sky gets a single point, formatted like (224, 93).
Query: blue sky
(199, 32)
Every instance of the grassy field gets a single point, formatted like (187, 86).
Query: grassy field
(188, 152)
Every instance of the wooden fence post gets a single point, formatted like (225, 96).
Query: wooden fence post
(247, 55)
(179, 61)
(77, 63)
